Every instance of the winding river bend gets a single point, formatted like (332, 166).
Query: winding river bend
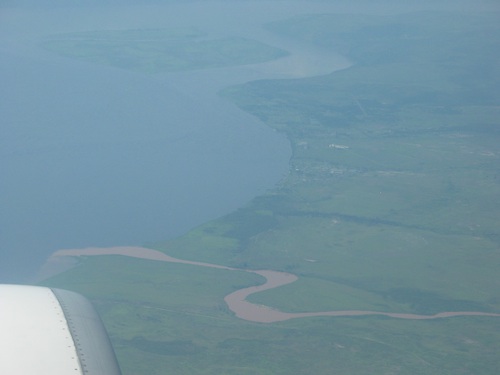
(236, 301)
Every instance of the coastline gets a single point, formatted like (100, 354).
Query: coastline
(197, 86)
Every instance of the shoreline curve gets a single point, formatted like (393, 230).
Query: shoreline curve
(236, 301)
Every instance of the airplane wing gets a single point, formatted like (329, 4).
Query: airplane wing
(52, 331)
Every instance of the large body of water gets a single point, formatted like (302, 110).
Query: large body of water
(91, 155)
(97, 156)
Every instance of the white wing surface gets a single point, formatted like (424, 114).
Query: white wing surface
(52, 331)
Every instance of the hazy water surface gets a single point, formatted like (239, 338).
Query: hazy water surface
(96, 156)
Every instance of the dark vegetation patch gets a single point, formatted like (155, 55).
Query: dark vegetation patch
(428, 303)
(174, 348)
(248, 223)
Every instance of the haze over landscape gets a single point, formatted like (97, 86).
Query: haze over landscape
(260, 187)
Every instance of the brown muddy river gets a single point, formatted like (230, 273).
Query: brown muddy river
(236, 301)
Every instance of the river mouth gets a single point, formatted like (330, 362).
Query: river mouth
(236, 301)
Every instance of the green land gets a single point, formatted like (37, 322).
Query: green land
(392, 203)
(160, 50)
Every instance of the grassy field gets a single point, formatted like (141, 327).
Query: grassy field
(392, 203)
(159, 50)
